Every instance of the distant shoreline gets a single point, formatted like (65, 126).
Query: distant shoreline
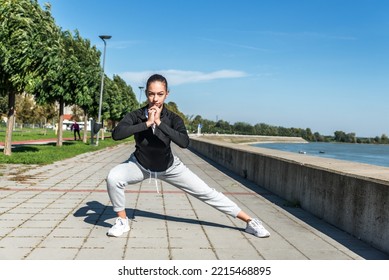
(249, 139)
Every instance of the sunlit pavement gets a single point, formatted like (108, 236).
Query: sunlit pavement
(62, 211)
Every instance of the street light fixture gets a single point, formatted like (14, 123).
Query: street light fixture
(102, 37)
(140, 95)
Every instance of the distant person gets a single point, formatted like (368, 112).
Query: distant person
(76, 129)
(154, 127)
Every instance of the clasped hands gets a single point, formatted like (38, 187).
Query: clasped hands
(154, 113)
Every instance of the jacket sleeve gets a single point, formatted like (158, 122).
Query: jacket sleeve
(127, 127)
(177, 133)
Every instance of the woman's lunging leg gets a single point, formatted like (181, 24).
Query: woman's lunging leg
(183, 178)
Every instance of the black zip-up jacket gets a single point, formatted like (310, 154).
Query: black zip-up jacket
(153, 150)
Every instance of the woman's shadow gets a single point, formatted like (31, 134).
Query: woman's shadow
(96, 213)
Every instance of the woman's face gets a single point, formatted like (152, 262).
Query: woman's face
(156, 94)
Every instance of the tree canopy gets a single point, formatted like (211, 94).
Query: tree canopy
(55, 66)
(27, 40)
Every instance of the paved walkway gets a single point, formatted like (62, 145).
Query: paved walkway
(61, 211)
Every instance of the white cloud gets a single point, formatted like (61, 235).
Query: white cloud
(179, 77)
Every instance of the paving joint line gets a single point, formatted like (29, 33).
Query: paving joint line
(105, 191)
(202, 228)
(56, 226)
(90, 231)
(166, 223)
(6, 235)
(130, 225)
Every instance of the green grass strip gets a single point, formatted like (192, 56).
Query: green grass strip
(49, 153)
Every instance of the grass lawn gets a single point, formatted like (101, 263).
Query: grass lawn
(34, 134)
(48, 153)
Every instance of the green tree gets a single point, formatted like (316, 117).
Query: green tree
(195, 123)
(318, 137)
(340, 136)
(208, 126)
(59, 82)
(119, 99)
(172, 106)
(29, 112)
(223, 127)
(309, 134)
(384, 139)
(88, 58)
(3, 105)
(351, 138)
(72, 77)
(26, 41)
(25, 109)
(46, 113)
(243, 128)
(265, 129)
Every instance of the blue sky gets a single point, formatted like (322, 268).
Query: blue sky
(321, 64)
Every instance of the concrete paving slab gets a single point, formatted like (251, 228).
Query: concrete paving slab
(62, 211)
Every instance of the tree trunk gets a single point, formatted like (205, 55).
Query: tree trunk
(85, 130)
(10, 124)
(60, 124)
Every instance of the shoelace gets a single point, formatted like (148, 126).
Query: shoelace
(119, 222)
(155, 180)
(256, 222)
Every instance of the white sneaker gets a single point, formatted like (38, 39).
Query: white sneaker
(120, 227)
(256, 228)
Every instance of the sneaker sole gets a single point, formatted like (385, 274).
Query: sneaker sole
(113, 235)
(260, 236)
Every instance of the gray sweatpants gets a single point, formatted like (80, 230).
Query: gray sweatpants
(178, 175)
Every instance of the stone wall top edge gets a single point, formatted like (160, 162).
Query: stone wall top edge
(375, 173)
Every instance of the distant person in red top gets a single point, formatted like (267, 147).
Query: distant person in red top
(76, 128)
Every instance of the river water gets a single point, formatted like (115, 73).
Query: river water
(365, 153)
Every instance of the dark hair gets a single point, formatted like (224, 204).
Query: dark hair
(156, 78)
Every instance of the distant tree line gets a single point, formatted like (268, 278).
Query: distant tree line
(340, 136)
(243, 128)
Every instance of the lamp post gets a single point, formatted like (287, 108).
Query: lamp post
(140, 95)
(102, 37)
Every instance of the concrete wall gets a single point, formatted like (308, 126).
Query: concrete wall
(353, 197)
